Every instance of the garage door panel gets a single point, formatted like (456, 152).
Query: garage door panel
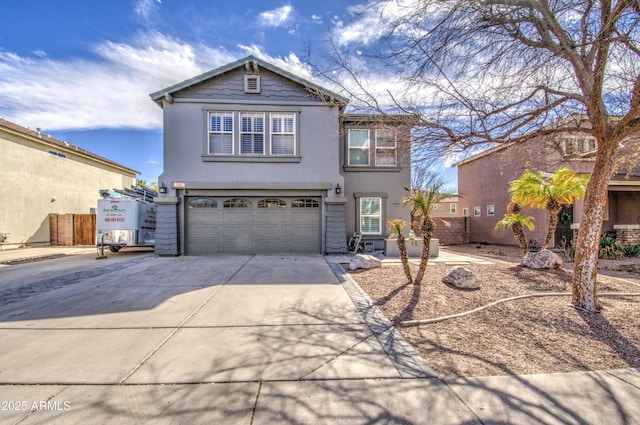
(233, 216)
(254, 230)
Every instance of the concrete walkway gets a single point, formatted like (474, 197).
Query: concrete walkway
(245, 339)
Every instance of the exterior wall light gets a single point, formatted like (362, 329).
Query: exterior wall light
(338, 189)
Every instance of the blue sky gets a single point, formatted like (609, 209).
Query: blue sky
(82, 70)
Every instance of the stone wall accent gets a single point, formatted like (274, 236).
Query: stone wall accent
(167, 233)
(627, 234)
(451, 231)
(336, 237)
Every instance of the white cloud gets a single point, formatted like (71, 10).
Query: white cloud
(371, 21)
(277, 17)
(110, 92)
(316, 19)
(145, 9)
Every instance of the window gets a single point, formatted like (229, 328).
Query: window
(271, 203)
(476, 211)
(252, 133)
(58, 154)
(221, 133)
(453, 208)
(386, 148)
(371, 216)
(203, 203)
(283, 136)
(491, 210)
(358, 147)
(237, 203)
(465, 212)
(305, 203)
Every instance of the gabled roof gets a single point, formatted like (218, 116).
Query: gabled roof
(158, 96)
(59, 145)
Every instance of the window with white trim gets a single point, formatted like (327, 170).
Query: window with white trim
(358, 147)
(491, 210)
(453, 208)
(252, 133)
(386, 152)
(371, 216)
(221, 133)
(476, 211)
(465, 212)
(283, 134)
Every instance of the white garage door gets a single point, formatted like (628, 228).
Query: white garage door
(251, 225)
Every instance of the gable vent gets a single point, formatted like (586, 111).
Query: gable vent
(251, 77)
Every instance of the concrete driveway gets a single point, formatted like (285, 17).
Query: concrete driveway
(227, 339)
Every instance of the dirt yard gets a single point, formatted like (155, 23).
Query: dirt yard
(534, 335)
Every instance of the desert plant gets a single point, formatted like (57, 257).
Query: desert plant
(422, 202)
(551, 193)
(611, 252)
(631, 250)
(568, 249)
(516, 221)
(396, 227)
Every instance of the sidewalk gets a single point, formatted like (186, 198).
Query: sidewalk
(21, 255)
(247, 339)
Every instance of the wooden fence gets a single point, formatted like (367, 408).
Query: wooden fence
(72, 229)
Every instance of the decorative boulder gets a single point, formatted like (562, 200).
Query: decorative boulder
(363, 261)
(543, 259)
(462, 278)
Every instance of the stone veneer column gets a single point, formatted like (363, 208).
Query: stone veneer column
(167, 234)
(336, 228)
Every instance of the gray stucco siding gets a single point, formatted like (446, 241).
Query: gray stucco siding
(185, 142)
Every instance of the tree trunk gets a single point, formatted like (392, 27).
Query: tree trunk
(552, 223)
(427, 233)
(404, 256)
(584, 285)
(519, 236)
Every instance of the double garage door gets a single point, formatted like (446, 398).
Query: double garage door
(253, 225)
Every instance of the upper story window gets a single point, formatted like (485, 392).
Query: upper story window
(580, 145)
(283, 134)
(386, 152)
(358, 147)
(252, 133)
(453, 208)
(221, 133)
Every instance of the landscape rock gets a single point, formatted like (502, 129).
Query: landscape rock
(463, 278)
(364, 261)
(543, 259)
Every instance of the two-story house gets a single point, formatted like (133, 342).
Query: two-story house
(483, 182)
(259, 160)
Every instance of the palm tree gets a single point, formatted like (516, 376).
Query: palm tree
(396, 226)
(550, 193)
(422, 202)
(517, 222)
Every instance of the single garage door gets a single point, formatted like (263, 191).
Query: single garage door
(252, 225)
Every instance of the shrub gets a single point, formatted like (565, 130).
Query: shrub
(631, 250)
(614, 251)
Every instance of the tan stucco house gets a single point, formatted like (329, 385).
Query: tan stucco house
(42, 175)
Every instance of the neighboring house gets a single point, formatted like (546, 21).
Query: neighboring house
(446, 208)
(42, 176)
(483, 183)
(259, 160)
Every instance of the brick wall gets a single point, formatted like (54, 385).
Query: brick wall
(451, 231)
